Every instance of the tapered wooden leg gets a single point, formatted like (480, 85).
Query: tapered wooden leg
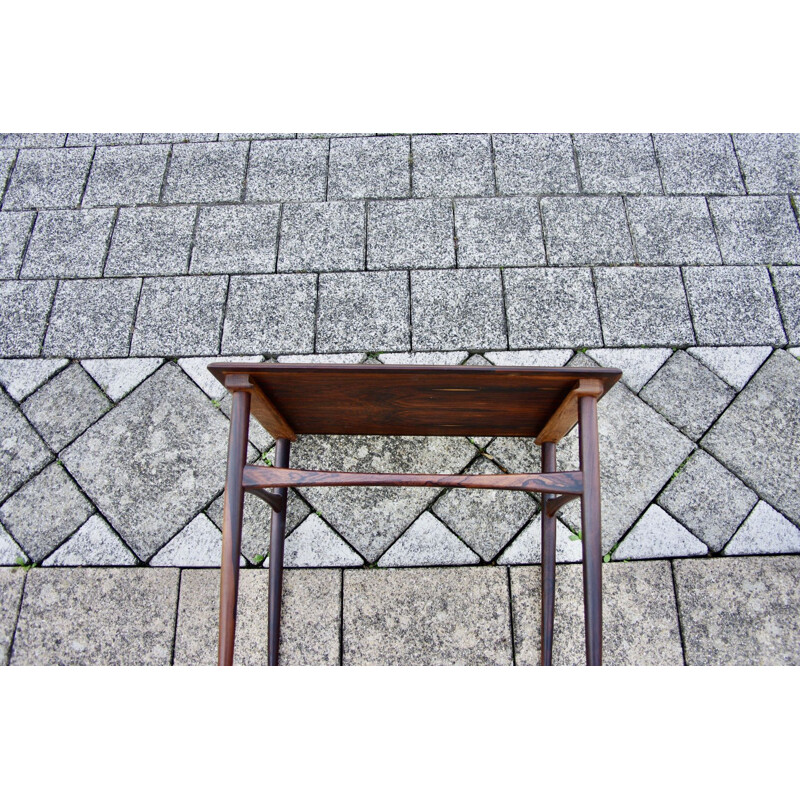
(276, 538)
(548, 561)
(232, 525)
(590, 523)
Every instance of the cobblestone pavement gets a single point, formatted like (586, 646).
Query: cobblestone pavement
(129, 262)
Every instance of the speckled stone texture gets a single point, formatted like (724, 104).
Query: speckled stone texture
(126, 176)
(617, 162)
(87, 139)
(11, 583)
(698, 163)
(658, 535)
(15, 227)
(370, 167)
(770, 161)
(287, 170)
(534, 163)
(451, 166)
(787, 284)
(48, 178)
(428, 542)
(22, 452)
(315, 544)
(24, 306)
(206, 172)
(22, 376)
(764, 531)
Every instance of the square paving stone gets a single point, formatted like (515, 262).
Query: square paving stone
(452, 166)
(153, 462)
(740, 610)
(698, 163)
(618, 163)
(457, 309)
(126, 176)
(427, 617)
(11, 583)
(640, 618)
(97, 616)
(51, 178)
(235, 239)
(360, 313)
(287, 170)
(733, 305)
(643, 306)
(270, 314)
(87, 139)
(68, 244)
(206, 172)
(310, 618)
(322, 237)
(24, 306)
(756, 436)
(584, 231)
(770, 161)
(499, 232)
(787, 284)
(33, 139)
(151, 241)
(551, 308)
(756, 230)
(179, 316)
(410, 233)
(14, 230)
(540, 163)
(370, 167)
(22, 452)
(92, 318)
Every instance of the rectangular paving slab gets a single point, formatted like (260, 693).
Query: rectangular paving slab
(12, 580)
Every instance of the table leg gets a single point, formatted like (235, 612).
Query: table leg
(548, 561)
(276, 539)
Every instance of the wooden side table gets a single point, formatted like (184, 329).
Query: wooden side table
(364, 399)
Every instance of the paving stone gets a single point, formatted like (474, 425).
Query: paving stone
(126, 175)
(640, 619)
(452, 166)
(370, 167)
(197, 370)
(499, 232)
(93, 544)
(735, 365)
(92, 318)
(428, 543)
(638, 364)
(658, 535)
(643, 306)
(363, 312)
(527, 547)
(270, 313)
(24, 306)
(60, 510)
(770, 161)
(14, 230)
(155, 138)
(617, 162)
(322, 237)
(151, 241)
(551, 307)
(329, 358)
(787, 284)
(205, 172)
(698, 163)
(22, 452)
(426, 617)
(51, 178)
(34, 139)
(199, 544)
(529, 358)
(315, 544)
(232, 137)
(287, 170)
(11, 584)
(452, 358)
(452, 310)
(584, 231)
(97, 615)
(7, 159)
(118, 376)
(733, 306)
(404, 234)
(259, 438)
(534, 163)
(673, 230)
(756, 230)
(175, 469)
(65, 407)
(740, 610)
(23, 376)
(310, 618)
(88, 139)
(764, 531)
(10, 554)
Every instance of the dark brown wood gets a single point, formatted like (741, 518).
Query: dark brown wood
(276, 540)
(554, 502)
(260, 406)
(548, 562)
(566, 415)
(274, 501)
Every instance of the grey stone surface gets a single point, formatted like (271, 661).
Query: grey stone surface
(155, 138)
(638, 364)
(23, 376)
(529, 358)
(205, 172)
(534, 163)
(551, 307)
(126, 176)
(735, 365)
(640, 619)
(270, 313)
(151, 241)
(322, 237)
(315, 544)
(11, 584)
(22, 452)
(455, 357)
(7, 160)
(167, 445)
(65, 406)
(499, 232)
(199, 544)
(287, 170)
(45, 511)
(92, 318)
(97, 616)
(326, 358)
(658, 535)
(770, 161)
(698, 163)
(452, 166)
(584, 231)
(733, 305)
(11, 554)
(740, 610)
(643, 306)
(24, 306)
(370, 167)
(14, 230)
(403, 234)
(179, 316)
(34, 139)
(454, 309)
(93, 544)
(756, 230)
(197, 370)
(764, 531)
(363, 313)
(617, 162)
(787, 283)
(232, 137)
(428, 543)
(527, 547)
(427, 617)
(88, 139)
(48, 178)
(118, 376)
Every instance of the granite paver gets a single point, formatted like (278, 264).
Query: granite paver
(87, 139)
(428, 542)
(526, 548)
(15, 227)
(48, 178)
(155, 138)
(34, 139)
(315, 544)
(764, 531)
(787, 284)
(24, 307)
(657, 535)
(11, 584)
(370, 167)
(698, 163)
(22, 452)
(287, 170)
(534, 163)
(206, 172)
(451, 165)
(735, 365)
(638, 364)
(617, 162)
(23, 376)
(118, 376)
(11, 554)
(770, 161)
(94, 544)
(126, 176)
